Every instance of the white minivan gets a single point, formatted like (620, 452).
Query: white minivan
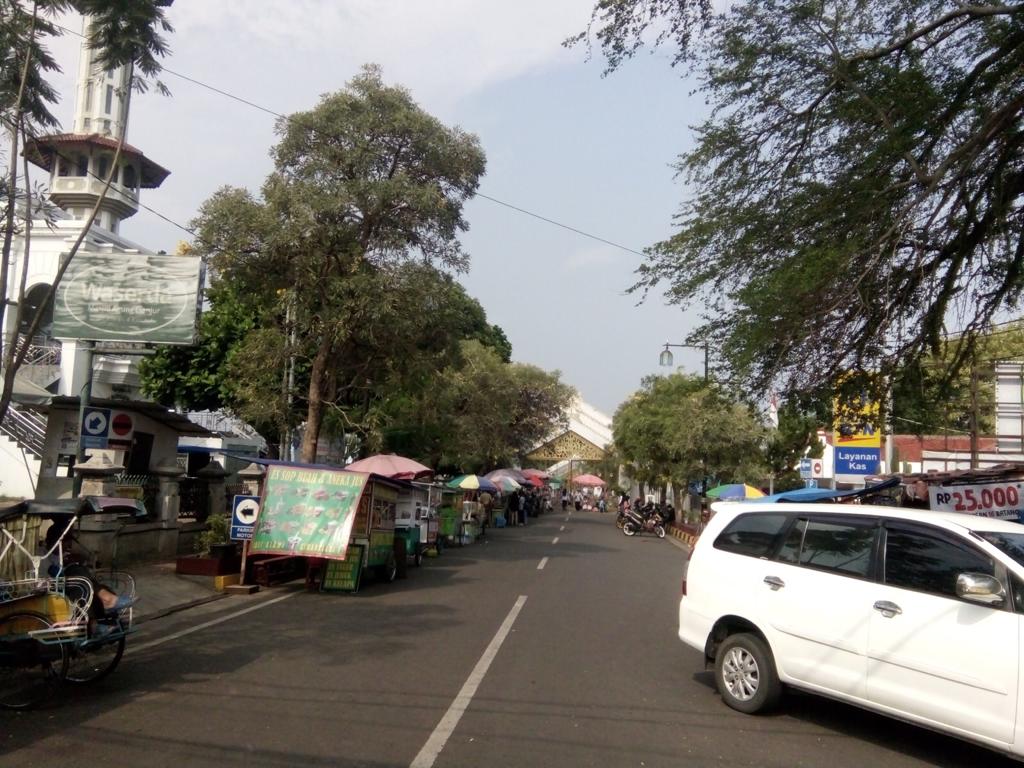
(911, 613)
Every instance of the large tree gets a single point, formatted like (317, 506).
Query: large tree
(365, 186)
(482, 412)
(679, 429)
(858, 185)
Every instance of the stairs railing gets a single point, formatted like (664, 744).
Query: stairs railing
(26, 428)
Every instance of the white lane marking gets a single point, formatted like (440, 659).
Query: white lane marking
(554, 540)
(428, 754)
(562, 528)
(205, 624)
(542, 563)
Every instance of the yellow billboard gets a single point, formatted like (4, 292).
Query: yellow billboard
(856, 418)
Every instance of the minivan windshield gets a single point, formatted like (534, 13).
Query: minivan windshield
(1010, 543)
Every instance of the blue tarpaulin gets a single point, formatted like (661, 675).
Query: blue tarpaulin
(810, 495)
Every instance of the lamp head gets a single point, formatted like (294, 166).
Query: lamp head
(665, 358)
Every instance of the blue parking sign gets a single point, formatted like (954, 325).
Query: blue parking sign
(244, 510)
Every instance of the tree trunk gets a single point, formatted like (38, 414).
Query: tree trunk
(315, 411)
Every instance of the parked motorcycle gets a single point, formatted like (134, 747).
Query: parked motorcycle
(645, 520)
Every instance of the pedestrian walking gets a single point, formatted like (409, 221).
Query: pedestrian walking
(522, 509)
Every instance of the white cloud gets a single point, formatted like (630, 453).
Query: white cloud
(443, 50)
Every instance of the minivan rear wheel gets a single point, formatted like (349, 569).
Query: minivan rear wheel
(745, 674)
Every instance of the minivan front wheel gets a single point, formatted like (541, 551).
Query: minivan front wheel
(745, 674)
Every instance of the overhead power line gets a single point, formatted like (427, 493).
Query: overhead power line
(267, 110)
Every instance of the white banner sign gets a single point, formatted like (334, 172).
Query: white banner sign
(1004, 500)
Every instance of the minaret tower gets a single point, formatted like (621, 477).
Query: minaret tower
(79, 162)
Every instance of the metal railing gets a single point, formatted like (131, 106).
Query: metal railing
(26, 428)
(41, 351)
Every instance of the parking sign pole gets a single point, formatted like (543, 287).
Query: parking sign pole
(83, 404)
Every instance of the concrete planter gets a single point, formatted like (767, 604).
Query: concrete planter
(200, 565)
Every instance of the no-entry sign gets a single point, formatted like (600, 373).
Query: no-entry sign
(122, 425)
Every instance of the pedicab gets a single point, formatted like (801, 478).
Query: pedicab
(50, 630)
(318, 512)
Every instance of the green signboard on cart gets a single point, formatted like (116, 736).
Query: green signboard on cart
(343, 575)
(307, 512)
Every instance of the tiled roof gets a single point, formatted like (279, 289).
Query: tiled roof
(42, 151)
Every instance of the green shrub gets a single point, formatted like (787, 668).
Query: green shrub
(217, 532)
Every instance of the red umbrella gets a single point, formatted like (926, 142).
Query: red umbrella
(588, 480)
(533, 480)
(391, 465)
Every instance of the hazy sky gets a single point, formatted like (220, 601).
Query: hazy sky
(561, 141)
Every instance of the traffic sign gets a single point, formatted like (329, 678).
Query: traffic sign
(121, 424)
(95, 425)
(244, 511)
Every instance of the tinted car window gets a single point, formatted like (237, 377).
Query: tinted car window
(929, 562)
(753, 535)
(843, 547)
(789, 552)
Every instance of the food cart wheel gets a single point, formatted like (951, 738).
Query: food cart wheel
(389, 570)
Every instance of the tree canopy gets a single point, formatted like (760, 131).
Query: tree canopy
(367, 188)
(858, 185)
(680, 429)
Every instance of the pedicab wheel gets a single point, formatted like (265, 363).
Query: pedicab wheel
(95, 659)
(629, 528)
(29, 669)
(660, 531)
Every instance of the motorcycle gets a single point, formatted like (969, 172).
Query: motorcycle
(645, 520)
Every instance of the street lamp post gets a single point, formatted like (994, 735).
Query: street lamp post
(665, 358)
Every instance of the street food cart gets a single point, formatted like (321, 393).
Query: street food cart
(331, 516)
(416, 521)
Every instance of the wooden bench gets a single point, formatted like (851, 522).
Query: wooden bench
(275, 570)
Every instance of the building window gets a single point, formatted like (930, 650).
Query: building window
(87, 124)
(103, 167)
(110, 99)
(106, 127)
(83, 166)
(88, 96)
(62, 169)
(130, 179)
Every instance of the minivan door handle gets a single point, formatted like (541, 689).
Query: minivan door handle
(887, 609)
(774, 582)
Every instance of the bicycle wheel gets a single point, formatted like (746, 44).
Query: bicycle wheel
(29, 669)
(95, 658)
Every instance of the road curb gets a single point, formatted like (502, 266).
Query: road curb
(180, 607)
(683, 535)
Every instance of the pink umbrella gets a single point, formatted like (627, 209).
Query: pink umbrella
(391, 465)
(588, 480)
(536, 473)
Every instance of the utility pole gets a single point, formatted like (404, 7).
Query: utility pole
(974, 419)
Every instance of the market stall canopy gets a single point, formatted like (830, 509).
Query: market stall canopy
(472, 483)
(588, 480)
(391, 465)
(515, 474)
(535, 473)
(506, 484)
(734, 491)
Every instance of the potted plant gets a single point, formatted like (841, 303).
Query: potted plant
(216, 554)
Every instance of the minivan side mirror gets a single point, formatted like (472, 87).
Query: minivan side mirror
(980, 588)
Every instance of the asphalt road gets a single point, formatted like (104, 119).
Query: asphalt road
(480, 658)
